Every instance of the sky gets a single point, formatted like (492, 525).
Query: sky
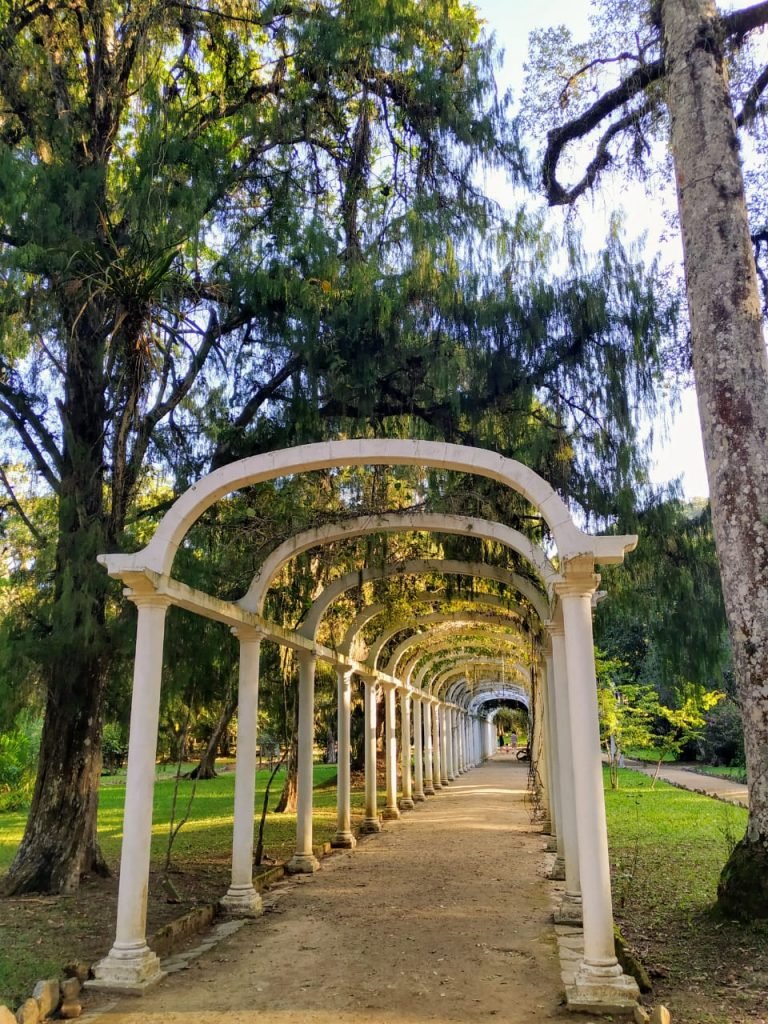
(677, 449)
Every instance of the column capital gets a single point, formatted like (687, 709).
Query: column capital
(578, 585)
(147, 598)
(248, 634)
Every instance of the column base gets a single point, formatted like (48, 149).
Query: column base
(390, 814)
(370, 825)
(405, 803)
(551, 844)
(557, 871)
(602, 989)
(429, 789)
(419, 798)
(302, 864)
(569, 911)
(130, 970)
(437, 785)
(241, 901)
(343, 841)
(445, 782)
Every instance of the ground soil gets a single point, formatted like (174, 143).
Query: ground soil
(445, 916)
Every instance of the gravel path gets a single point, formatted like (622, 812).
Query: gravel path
(445, 916)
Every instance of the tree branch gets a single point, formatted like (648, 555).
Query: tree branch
(28, 441)
(22, 407)
(39, 537)
(614, 99)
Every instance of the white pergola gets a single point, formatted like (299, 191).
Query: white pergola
(440, 704)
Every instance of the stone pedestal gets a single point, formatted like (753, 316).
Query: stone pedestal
(370, 825)
(569, 911)
(390, 814)
(602, 989)
(302, 864)
(241, 901)
(343, 841)
(405, 803)
(131, 970)
(557, 871)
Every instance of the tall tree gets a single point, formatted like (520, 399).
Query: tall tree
(140, 146)
(229, 226)
(679, 60)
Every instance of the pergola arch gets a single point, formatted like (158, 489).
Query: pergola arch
(570, 541)
(394, 522)
(570, 672)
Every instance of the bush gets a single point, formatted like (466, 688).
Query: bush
(19, 748)
(723, 738)
(114, 749)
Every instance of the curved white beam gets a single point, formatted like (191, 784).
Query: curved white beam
(395, 522)
(419, 566)
(571, 542)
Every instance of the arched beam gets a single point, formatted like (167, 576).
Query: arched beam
(420, 566)
(395, 522)
(571, 542)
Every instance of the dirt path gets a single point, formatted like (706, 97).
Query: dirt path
(445, 916)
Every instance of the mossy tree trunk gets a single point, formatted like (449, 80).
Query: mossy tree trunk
(731, 372)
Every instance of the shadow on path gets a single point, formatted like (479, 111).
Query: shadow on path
(444, 916)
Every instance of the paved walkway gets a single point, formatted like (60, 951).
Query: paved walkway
(445, 916)
(698, 782)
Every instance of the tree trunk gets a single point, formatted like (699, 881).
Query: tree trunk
(731, 372)
(207, 767)
(288, 801)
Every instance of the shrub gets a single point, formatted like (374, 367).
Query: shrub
(19, 748)
(723, 738)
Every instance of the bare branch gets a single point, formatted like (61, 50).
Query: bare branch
(557, 195)
(29, 443)
(39, 537)
(750, 109)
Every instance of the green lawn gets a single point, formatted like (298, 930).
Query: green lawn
(668, 847)
(41, 933)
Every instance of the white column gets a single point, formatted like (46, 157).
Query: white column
(304, 862)
(569, 911)
(599, 978)
(460, 764)
(390, 813)
(429, 753)
(442, 713)
(242, 899)
(418, 751)
(437, 777)
(555, 844)
(131, 966)
(370, 821)
(450, 725)
(406, 800)
(343, 838)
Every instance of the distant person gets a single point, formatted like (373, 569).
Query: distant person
(513, 741)
(500, 740)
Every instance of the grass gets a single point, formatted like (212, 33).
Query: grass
(40, 934)
(668, 847)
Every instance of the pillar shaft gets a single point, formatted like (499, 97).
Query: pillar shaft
(344, 838)
(130, 965)
(242, 898)
(571, 909)
(371, 819)
(418, 751)
(391, 811)
(437, 778)
(406, 783)
(429, 753)
(304, 860)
